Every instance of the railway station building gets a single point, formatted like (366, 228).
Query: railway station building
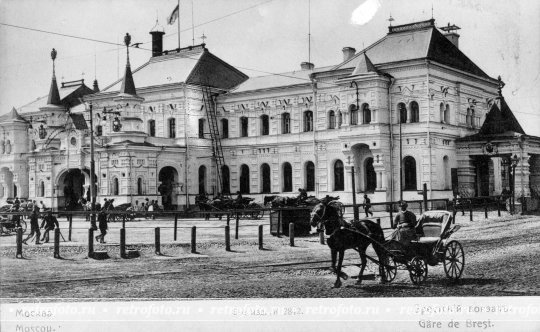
(409, 109)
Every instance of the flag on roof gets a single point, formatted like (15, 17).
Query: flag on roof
(174, 15)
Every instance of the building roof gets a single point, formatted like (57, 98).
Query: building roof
(278, 80)
(419, 40)
(500, 123)
(364, 66)
(69, 97)
(11, 117)
(193, 65)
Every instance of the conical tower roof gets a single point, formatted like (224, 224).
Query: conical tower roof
(128, 85)
(54, 95)
(364, 66)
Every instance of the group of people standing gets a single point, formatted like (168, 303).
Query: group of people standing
(49, 221)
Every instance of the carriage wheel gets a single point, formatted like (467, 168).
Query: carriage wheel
(454, 260)
(418, 270)
(390, 268)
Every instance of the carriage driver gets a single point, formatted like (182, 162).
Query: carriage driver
(405, 221)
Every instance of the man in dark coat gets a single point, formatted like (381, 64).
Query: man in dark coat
(34, 225)
(405, 221)
(49, 222)
(367, 206)
(103, 226)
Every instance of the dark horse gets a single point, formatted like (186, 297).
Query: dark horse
(358, 235)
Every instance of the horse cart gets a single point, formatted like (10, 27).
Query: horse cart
(245, 208)
(432, 247)
(10, 223)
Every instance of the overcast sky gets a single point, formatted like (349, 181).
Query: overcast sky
(501, 37)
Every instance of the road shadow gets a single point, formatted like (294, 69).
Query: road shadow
(464, 282)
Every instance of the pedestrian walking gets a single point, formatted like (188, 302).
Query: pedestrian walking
(367, 206)
(49, 222)
(103, 225)
(34, 225)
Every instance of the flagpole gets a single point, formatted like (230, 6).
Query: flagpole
(178, 24)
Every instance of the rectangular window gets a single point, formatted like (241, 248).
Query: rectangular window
(286, 125)
(172, 128)
(201, 128)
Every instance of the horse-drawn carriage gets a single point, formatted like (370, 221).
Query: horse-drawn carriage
(10, 223)
(245, 207)
(432, 246)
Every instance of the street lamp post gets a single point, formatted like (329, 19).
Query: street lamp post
(513, 162)
(92, 172)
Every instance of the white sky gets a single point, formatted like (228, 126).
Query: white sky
(501, 37)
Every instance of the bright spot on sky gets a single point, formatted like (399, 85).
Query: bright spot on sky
(365, 12)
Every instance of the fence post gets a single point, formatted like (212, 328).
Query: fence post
(228, 219)
(56, 243)
(291, 234)
(123, 220)
(355, 207)
(499, 207)
(194, 240)
(158, 241)
(424, 196)
(70, 227)
(175, 226)
(260, 237)
(123, 242)
(391, 215)
(19, 243)
(236, 226)
(91, 243)
(454, 216)
(379, 221)
(227, 238)
(279, 223)
(421, 211)
(470, 210)
(321, 237)
(485, 210)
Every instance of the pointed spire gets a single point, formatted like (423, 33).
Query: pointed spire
(96, 87)
(128, 86)
(54, 95)
(364, 66)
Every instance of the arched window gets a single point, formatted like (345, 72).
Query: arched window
(116, 186)
(310, 176)
(331, 120)
(409, 173)
(447, 114)
(8, 148)
(224, 128)
(201, 128)
(441, 112)
(244, 179)
(308, 121)
(202, 179)
(225, 180)
(402, 111)
(172, 128)
(41, 190)
(366, 112)
(339, 179)
(447, 174)
(473, 118)
(140, 186)
(244, 126)
(265, 179)
(285, 123)
(265, 125)
(152, 128)
(354, 114)
(370, 180)
(287, 177)
(468, 117)
(415, 112)
(339, 119)
(15, 190)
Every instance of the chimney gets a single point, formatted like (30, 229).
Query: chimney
(307, 66)
(453, 37)
(348, 52)
(451, 34)
(157, 33)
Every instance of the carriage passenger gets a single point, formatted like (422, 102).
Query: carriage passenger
(405, 221)
(302, 196)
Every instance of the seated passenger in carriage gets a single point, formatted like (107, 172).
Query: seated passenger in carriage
(239, 197)
(405, 222)
(302, 196)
